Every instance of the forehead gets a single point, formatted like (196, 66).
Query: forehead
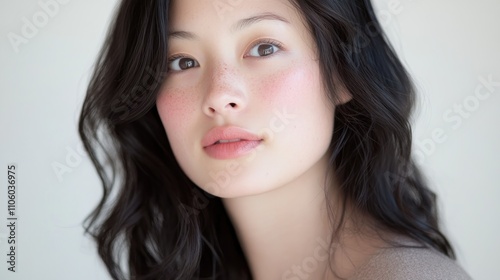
(206, 15)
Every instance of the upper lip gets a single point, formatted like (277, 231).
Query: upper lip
(227, 133)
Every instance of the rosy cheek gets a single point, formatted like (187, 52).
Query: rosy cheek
(287, 88)
(175, 107)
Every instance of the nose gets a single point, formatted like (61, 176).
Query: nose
(225, 92)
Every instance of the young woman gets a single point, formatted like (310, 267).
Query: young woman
(263, 139)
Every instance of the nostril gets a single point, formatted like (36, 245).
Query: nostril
(232, 104)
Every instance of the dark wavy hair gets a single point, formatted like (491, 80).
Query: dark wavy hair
(153, 222)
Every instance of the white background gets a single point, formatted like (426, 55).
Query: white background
(447, 46)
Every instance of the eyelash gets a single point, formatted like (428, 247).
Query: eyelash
(259, 42)
(270, 42)
(172, 58)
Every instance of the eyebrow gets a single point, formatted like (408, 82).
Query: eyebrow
(238, 26)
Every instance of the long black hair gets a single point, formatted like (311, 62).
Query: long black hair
(153, 222)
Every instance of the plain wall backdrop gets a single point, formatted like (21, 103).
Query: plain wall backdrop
(451, 48)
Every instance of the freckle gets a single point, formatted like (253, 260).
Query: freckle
(178, 103)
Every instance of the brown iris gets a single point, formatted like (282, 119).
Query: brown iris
(186, 63)
(265, 49)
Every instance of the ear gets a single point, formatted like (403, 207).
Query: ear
(342, 94)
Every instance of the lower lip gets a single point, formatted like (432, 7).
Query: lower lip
(231, 150)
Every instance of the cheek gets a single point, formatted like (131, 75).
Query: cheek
(297, 93)
(289, 88)
(175, 108)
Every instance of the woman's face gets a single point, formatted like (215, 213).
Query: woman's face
(244, 72)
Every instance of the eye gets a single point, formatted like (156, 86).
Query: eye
(265, 47)
(181, 63)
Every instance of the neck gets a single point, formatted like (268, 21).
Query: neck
(285, 232)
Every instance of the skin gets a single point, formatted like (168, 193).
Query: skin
(195, 100)
(275, 194)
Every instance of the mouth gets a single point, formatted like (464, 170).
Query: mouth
(229, 142)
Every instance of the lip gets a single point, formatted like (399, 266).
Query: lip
(247, 142)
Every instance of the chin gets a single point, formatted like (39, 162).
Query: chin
(238, 186)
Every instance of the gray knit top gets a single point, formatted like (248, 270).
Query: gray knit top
(410, 264)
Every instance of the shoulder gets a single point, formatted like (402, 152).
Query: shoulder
(412, 264)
